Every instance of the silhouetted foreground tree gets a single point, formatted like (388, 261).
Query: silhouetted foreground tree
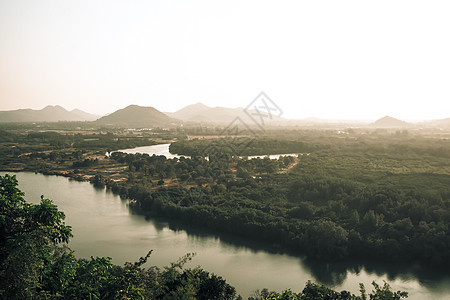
(35, 263)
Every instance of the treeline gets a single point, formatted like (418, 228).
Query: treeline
(243, 146)
(313, 140)
(35, 263)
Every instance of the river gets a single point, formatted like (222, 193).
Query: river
(163, 149)
(103, 225)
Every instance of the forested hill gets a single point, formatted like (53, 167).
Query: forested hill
(137, 116)
(390, 122)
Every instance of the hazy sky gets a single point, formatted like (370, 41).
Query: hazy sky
(330, 59)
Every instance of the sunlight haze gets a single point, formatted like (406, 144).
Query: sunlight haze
(324, 59)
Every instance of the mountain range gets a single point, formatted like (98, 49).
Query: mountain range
(47, 114)
(200, 113)
(141, 116)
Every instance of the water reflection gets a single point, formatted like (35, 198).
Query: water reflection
(333, 274)
(226, 239)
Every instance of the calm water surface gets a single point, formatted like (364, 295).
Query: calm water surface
(103, 225)
(163, 149)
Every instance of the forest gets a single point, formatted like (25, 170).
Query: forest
(36, 263)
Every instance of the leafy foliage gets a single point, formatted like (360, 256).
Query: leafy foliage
(313, 291)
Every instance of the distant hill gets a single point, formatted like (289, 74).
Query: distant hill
(84, 115)
(221, 115)
(444, 123)
(137, 116)
(189, 111)
(389, 122)
(48, 114)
